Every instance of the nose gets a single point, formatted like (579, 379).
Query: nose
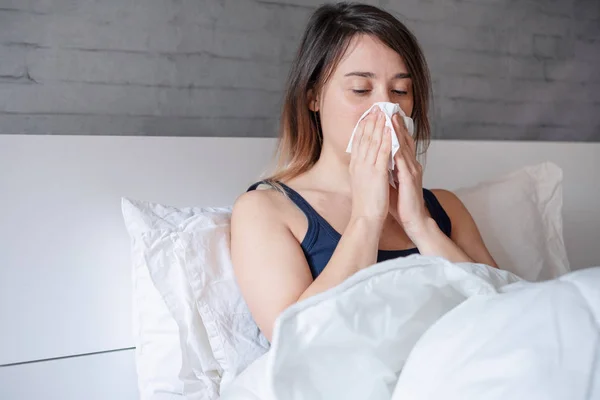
(383, 95)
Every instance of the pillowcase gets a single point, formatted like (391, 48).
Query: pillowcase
(235, 339)
(187, 254)
(161, 294)
(155, 336)
(519, 217)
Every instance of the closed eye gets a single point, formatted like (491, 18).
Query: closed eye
(365, 91)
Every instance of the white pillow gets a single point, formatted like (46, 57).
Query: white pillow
(155, 335)
(161, 307)
(520, 218)
(187, 254)
(235, 339)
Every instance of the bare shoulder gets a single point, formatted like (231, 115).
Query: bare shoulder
(253, 200)
(259, 208)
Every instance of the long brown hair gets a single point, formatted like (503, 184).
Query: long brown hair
(326, 38)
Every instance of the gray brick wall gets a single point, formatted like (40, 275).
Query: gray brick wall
(502, 69)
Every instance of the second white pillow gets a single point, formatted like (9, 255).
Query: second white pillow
(519, 216)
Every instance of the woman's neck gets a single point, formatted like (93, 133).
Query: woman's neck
(330, 173)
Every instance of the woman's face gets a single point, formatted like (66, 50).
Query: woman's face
(369, 72)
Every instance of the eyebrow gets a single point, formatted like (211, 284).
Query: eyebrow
(401, 75)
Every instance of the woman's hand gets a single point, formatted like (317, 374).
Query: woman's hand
(407, 205)
(368, 168)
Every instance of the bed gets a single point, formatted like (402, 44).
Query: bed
(65, 266)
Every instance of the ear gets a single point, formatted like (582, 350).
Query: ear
(313, 101)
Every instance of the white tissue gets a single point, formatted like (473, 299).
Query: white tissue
(389, 109)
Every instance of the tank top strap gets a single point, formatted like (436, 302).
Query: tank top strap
(437, 212)
(296, 198)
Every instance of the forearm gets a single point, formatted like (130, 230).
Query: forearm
(431, 241)
(356, 249)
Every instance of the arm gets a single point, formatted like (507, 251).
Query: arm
(269, 263)
(465, 243)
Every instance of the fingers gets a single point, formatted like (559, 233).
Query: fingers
(406, 155)
(383, 155)
(372, 142)
(407, 149)
(402, 132)
(368, 137)
(406, 162)
(367, 131)
(376, 139)
(358, 135)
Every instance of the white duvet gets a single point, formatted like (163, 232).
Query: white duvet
(420, 328)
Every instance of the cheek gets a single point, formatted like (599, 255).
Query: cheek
(407, 103)
(407, 106)
(339, 120)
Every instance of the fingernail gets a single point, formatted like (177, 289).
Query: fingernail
(374, 110)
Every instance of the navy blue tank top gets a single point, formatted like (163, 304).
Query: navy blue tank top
(321, 238)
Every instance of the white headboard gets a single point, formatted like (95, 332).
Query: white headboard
(65, 286)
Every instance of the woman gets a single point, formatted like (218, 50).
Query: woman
(328, 213)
